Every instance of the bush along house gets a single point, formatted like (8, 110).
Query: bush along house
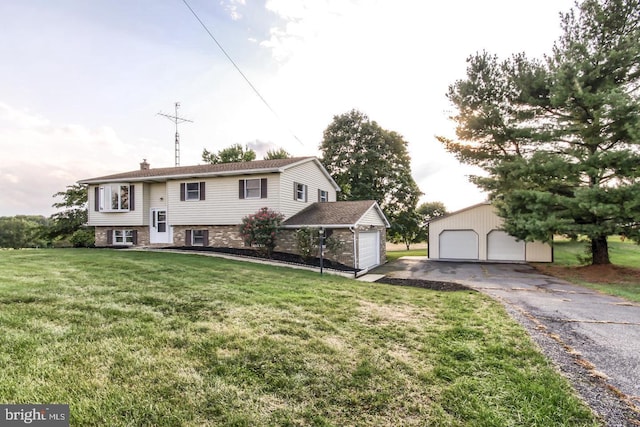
(203, 205)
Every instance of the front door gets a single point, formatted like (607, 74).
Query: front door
(159, 229)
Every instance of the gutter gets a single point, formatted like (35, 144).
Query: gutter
(164, 178)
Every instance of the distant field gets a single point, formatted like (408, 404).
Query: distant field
(626, 254)
(158, 339)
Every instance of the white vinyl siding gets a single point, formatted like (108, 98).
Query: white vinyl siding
(157, 196)
(221, 205)
(308, 174)
(372, 217)
(121, 218)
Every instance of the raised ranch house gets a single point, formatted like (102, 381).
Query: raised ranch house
(475, 234)
(204, 205)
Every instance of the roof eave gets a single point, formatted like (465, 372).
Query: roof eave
(163, 178)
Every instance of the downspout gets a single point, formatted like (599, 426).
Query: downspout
(355, 273)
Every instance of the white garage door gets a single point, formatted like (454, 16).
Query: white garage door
(503, 247)
(458, 244)
(369, 249)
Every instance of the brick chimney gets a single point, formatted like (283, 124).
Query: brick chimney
(144, 166)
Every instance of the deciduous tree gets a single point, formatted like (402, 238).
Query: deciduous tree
(70, 222)
(369, 163)
(280, 153)
(232, 154)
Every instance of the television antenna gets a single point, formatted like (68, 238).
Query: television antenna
(176, 119)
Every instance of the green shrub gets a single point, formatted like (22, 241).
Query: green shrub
(260, 230)
(83, 238)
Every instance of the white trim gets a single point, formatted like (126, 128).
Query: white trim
(382, 215)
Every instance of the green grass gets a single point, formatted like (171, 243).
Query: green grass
(625, 254)
(623, 282)
(394, 255)
(159, 339)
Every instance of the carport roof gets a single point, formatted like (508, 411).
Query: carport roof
(334, 214)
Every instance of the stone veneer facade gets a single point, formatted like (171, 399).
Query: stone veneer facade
(229, 236)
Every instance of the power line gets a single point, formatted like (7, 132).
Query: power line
(246, 79)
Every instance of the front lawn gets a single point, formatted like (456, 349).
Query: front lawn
(394, 255)
(139, 338)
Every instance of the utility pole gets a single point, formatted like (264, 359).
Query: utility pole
(176, 119)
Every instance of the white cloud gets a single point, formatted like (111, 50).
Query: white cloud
(41, 158)
(231, 7)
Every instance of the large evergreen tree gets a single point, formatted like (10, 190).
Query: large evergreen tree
(369, 163)
(560, 138)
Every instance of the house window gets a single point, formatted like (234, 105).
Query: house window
(114, 197)
(252, 189)
(255, 188)
(323, 196)
(197, 237)
(192, 191)
(123, 237)
(300, 192)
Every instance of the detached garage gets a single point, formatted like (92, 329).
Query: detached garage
(474, 234)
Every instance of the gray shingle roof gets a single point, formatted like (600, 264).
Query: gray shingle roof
(154, 174)
(331, 213)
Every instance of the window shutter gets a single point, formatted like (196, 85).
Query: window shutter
(132, 199)
(96, 202)
(263, 188)
(183, 190)
(187, 238)
(134, 237)
(319, 193)
(305, 193)
(241, 188)
(109, 237)
(205, 238)
(202, 195)
(295, 191)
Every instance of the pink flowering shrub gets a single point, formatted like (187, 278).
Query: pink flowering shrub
(261, 229)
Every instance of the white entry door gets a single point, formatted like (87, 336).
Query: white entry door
(158, 227)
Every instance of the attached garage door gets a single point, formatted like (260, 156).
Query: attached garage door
(503, 247)
(458, 244)
(369, 249)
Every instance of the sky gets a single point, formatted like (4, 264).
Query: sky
(82, 82)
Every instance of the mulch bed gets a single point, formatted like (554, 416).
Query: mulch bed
(594, 273)
(276, 256)
(425, 284)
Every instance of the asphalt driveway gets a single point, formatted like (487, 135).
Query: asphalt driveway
(593, 338)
